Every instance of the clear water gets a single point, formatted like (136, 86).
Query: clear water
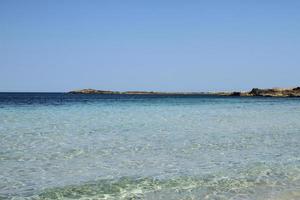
(63, 146)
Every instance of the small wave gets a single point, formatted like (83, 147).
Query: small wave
(258, 182)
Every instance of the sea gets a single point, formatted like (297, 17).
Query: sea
(76, 146)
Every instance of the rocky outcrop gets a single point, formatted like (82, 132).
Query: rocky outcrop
(92, 91)
(274, 92)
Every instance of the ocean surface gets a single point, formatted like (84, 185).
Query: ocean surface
(71, 146)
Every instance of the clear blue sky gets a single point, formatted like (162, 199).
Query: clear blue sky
(163, 45)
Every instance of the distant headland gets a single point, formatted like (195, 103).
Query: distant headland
(273, 92)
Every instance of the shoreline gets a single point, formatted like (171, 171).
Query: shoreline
(255, 92)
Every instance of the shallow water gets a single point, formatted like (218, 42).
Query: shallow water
(63, 146)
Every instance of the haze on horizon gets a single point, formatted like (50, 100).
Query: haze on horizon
(154, 45)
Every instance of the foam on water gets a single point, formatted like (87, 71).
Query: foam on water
(58, 146)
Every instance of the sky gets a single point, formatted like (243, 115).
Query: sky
(157, 45)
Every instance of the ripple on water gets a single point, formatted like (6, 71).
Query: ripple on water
(66, 146)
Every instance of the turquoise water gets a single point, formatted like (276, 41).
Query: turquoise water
(59, 146)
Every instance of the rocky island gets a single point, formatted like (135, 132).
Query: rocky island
(93, 91)
(273, 92)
